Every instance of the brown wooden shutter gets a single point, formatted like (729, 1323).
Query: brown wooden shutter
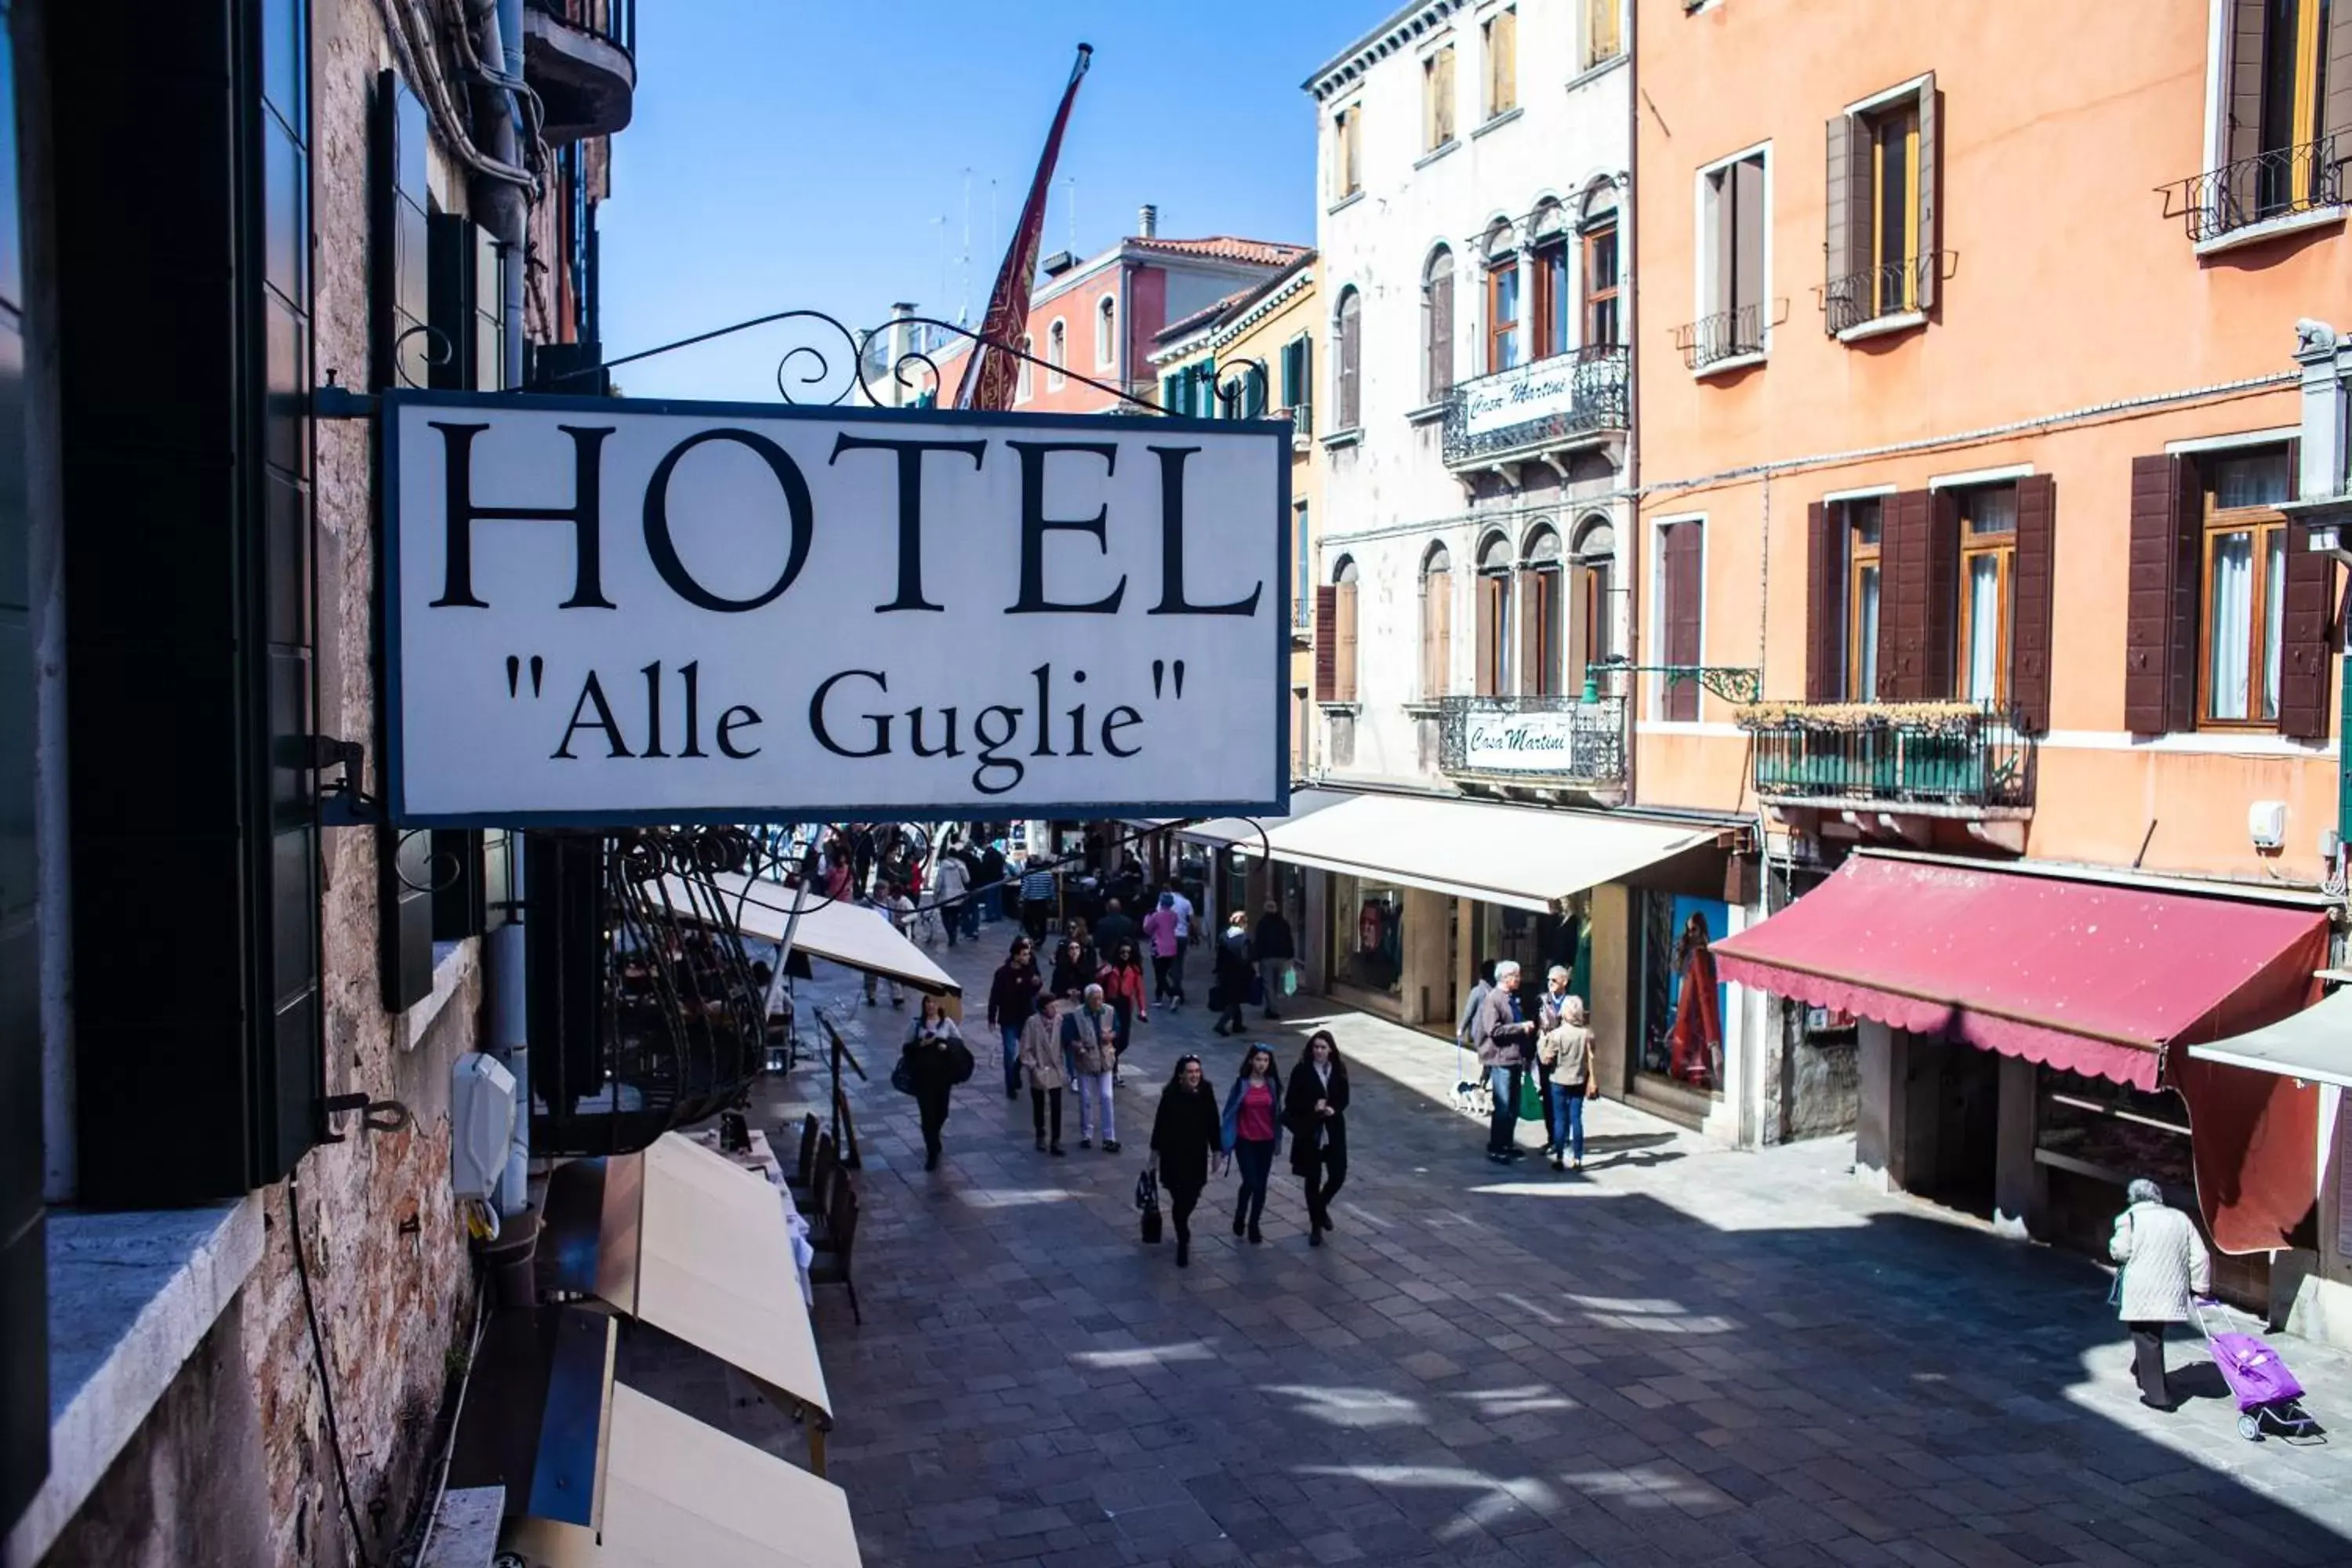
(1842, 197)
(1344, 613)
(1905, 585)
(1489, 629)
(2244, 137)
(1441, 330)
(1683, 562)
(1529, 602)
(2304, 654)
(1327, 646)
(1576, 630)
(1825, 576)
(1436, 633)
(1939, 640)
(1929, 115)
(2033, 602)
(2337, 116)
(2159, 628)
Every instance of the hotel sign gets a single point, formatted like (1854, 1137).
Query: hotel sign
(1542, 743)
(1547, 389)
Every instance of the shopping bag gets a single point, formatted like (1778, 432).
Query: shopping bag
(902, 1077)
(1531, 1105)
(1290, 980)
(1256, 989)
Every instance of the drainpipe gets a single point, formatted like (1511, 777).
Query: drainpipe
(500, 207)
(507, 1013)
(1631, 209)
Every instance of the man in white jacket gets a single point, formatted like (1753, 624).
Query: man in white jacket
(2165, 1268)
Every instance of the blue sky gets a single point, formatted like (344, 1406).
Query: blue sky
(786, 153)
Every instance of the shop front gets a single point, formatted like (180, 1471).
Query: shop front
(2026, 1044)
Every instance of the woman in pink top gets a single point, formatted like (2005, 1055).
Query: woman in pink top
(1252, 1130)
(1162, 928)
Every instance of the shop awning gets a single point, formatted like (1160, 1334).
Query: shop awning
(1525, 858)
(2091, 978)
(1241, 832)
(849, 934)
(2314, 1045)
(688, 1241)
(680, 1494)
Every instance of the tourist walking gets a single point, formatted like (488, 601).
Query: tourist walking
(1123, 982)
(1186, 1136)
(1073, 965)
(1252, 1127)
(892, 905)
(1316, 1101)
(1041, 1060)
(1116, 926)
(1564, 1055)
(1502, 1034)
(1159, 927)
(1011, 998)
(1274, 948)
(991, 882)
(1186, 920)
(1229, 981)
(2165, 1269)
(1090, 1040)
(931, 1053)
(951, 893)
(1038, 903)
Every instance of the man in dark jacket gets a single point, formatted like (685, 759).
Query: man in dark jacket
(1117, 926)
(1272, 946)
(1230, 990)
(1501, 1032)
(991, 881)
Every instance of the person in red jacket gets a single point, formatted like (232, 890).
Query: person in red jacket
(1123, 982)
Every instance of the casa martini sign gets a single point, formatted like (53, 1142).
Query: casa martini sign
(606, 611)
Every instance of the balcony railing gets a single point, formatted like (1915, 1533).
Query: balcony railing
(2277, 183)
(1949, 755)
(1726, 334)
(615, 21)
(1533, 740)
(1530, 407)
(1875, 292)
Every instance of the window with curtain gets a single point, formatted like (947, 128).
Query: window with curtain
(1437, 325)
(1346, 373)
(1494, 617)
(1988, 568)
(1500, 34)
(1861, 525)
(1437, 98)
(1894, 138)
(1437, 621)
(1502, 302)
(2279, 100)
(2244, 597)
(1544, 673)
(1107, 332)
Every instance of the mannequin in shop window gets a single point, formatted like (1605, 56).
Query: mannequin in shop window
(1697, 1035)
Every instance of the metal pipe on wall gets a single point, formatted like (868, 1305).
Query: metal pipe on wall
(502, 207)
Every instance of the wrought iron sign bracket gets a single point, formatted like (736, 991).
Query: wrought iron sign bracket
(1732, 683)
(375, 1115)
(341, 802)
(336, 401)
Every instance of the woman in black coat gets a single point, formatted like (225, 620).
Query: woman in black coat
(1316, 1109)
(1186, 1135)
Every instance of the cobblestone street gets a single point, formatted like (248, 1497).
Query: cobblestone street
(1687, 1356)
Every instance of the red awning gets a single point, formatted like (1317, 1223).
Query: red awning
(2089, 977)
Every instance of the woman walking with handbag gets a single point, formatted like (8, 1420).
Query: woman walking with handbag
(1252, 1128)
(1186, 1135)
(1040, 1059)
(1318, 1099)
(930, 1057)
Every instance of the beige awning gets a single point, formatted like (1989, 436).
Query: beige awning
(1241, 832)
(2315, 1044)
(849, 934)
(697, 1245)
(1525, 857)
(679, 1494)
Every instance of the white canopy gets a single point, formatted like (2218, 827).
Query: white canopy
(849, 934)
(1241, 831)
(1523, 857)
(2315, 1044)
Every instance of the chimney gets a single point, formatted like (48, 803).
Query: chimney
(1147, 222)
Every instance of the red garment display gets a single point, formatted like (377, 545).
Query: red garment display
(1698, 1030)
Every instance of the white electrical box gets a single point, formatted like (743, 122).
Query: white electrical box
(481, 1124)
(2266, 823)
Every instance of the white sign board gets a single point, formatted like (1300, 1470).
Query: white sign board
(1506, 742)
(1538, 391)
(604, 611)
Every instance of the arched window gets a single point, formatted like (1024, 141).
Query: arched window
(1107, 332)
(1502, 298)
(1058, 354)
(1335, 651)
(1436, 622)
(1542, 671)
(1494, 672)
(1346, 373)
(1025, 382)
(1553, 313)
(1600, 265)
(1596, 584)
(1437, 325)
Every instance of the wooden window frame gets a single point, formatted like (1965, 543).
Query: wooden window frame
(1596, 298)
(1545, 602)
(2262, 522)
(1347, 151)
(1605, 32)
(1861, 652)
(1552, 292)
(1107, 332)
(2002, 549)
(1024, 378)
(1594, 584)
(1057, 356)
(1347, 361)
(1436, 628)
(1502, 84)
(1502, 331)
(1343, 639)
(1494, 605)
(1437, 128)
(1901, 292)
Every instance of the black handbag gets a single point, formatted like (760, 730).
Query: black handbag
(1147, 1198)
(902, 1077)
(960, 1062)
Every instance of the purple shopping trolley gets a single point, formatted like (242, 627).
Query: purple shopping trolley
(2268, 1397)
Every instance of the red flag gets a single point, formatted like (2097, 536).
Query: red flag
(988, 378)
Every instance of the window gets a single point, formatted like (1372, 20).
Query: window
(1437, 98)
(1243, 396)
(1542, 671)
(1107, 332)
(1494, 671)
(1025, 383)
(1298, 384)
(1437, 325)
(1345, 373)
(2286, 58)
(1436, 622)
(1988, 575)
(1553, 300)
(1343, 631)
(1601, 280)
(1502, 301)
(1681, 590)
(1594, 640)
(1057, 354)
(1603, 37)
(1347, 152)
(2242, 629)
(1500, 34)
(1732, 258)
(1861, 521)
(1881, 208)
(1301, 565)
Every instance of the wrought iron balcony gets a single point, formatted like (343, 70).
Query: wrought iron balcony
(1952, 758)
(2273, 184)
(580, 57)
(1564, 401)
(1726, 334)
(1876, 292)
(1533, 741)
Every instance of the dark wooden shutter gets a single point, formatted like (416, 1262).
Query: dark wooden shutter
(1489, 608)
(2337, 116)
(1683, 560)
(2244, 129)
(1939, 640)
(1929, 114)
(2033, 602)
(1304, 418)
(1825, 575)
(1530, 603)
(2160, 619)
(1906, 583)
(1747, 249)
(1843, 199)
(1440, 347)
(2306, 656)
(1327, 643)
